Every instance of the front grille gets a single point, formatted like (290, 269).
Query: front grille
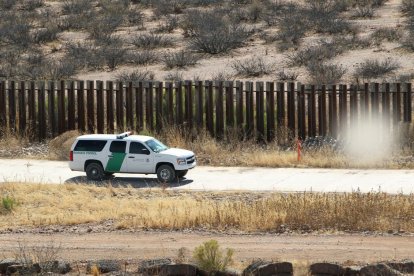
(190, 160)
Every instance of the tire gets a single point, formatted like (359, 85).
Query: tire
(181, 174)
(94, 171)
(166, 173)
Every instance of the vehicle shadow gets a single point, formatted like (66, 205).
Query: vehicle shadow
(135, 182)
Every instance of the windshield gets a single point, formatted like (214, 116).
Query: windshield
(155, 145)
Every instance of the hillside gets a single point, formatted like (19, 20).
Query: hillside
(309, 41)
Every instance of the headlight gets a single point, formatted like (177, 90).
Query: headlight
(181, 161)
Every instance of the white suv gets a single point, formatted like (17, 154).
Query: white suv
(101, 155)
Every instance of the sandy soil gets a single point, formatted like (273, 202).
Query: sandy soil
(344, 248)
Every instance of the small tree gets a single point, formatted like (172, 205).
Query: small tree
(209, 257)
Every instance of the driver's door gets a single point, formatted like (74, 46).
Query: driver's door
(140, 159)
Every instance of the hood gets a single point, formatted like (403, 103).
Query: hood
(178, 152)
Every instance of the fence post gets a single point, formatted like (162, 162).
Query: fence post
(396, 101)
(270, 110)
(119, 92)
(239, 107)
(301, 112)
(249, 110)
(291, 108)
(260, 111)
(229, 105)
(188, 109)
(375, 101)
(51, 108)
(32, 110)
(385, 89)
(343, 110)
(110, 126)
(81, 105)
(22, 109)
(322, 111)
(280, 105)
(100, 118)
(353, 104)
(170, 102)
(12, 106)
(219, 109)
(312, 112)
(158, 105)
(128, 105)
(71, 105)
(333, 113)
(139, 106)
(199, 103)
(179, 102)
(61, 106)
(41, 110)
(209, 107)
(364, 103)
(149, 114)
(90, 103)
(3, 117)
(407, 103)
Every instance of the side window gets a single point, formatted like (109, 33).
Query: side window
(90, 145)
(118, 146)
(138, 148)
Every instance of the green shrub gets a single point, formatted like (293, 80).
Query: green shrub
(252, 67)
(321, 73)
(210, 258)
(8, 203)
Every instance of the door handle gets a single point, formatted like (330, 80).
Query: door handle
(110, 156)
(131, 157)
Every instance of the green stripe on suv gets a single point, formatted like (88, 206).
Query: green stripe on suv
(115, 162)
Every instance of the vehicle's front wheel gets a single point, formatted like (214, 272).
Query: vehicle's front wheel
(166, 173)
(94, 171)
(181, 174)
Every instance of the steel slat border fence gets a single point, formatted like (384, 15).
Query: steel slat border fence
(260, 110)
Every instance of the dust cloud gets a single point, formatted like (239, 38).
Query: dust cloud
(369, 141)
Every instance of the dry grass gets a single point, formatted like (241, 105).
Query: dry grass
(70, 204)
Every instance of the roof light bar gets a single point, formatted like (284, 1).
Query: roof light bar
(123, 135)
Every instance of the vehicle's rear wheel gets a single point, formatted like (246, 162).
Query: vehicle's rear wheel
(166, 173)
(94, 171)
(181, 174)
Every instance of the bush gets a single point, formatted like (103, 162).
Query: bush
(174, 76)
(180, 59)
(151, 41)
(31, 5)
(292, 27)
(164, 7)
(324, 51)
(76, 6)
(142, 58)
(113, 56)
(211, 33)
(321, 73)
(407, 7)
(136, 18)
(135, 76)
(252, 67)
(386, 34)
(16, 32)
(46, 34)
(287, 76)
(7, 4)
(363, 12)
(208, 257)
(372, 69)
(170, 23)
(8, 203)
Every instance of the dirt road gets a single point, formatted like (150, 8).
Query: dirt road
(227, 178)
(142, 245)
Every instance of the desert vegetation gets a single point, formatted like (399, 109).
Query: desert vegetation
(71, 204)
(318, 41)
